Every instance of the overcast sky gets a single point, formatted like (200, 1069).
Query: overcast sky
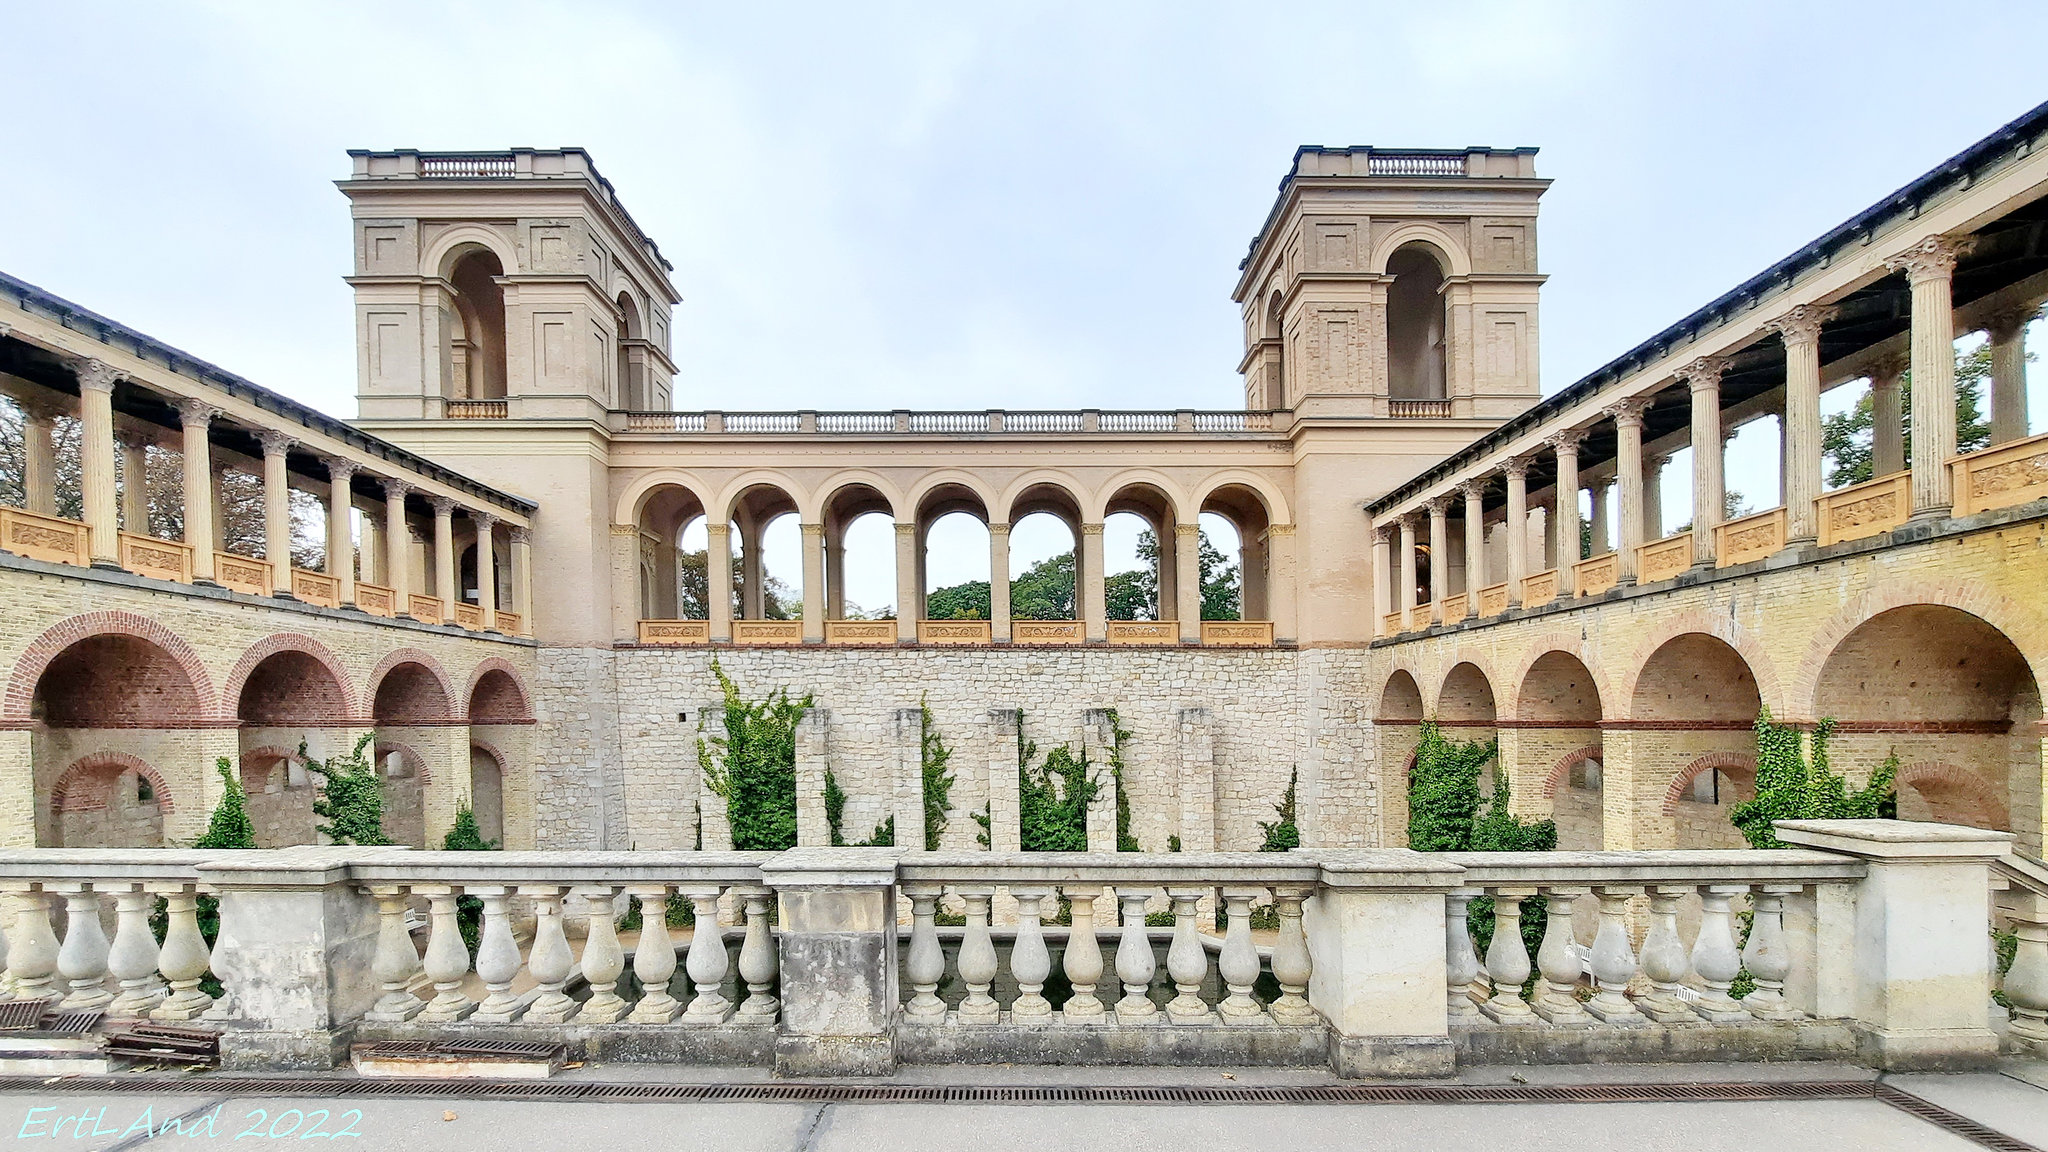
(882, 205)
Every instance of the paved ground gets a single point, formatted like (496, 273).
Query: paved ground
(2013, 1101)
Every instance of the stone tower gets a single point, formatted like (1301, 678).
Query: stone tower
(1393, 283)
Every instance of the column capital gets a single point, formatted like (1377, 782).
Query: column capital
(521, 536)
(1886, 370)
(340, 472)
(710, 529)
(97, 375)
(1567, 440)
(626, 530)
(483, 521)
(906, 529)
(2007, 323)
(1628, 412)
(1382, 534)
(445, 505)
(193, 410)
(1801, 324)
(1703, 373)
(1410, 522)
(1931, 259)
(276, 442)
(1280, 529)
(1187, 530)
(397, 489)
(1656, 459)
(1473, 489)
(812, 529)
(1516, 467)
(1091, 529)
(998, 528)
(1438, 506)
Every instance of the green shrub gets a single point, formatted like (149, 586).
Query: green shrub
(1789, 788)
(1444, 815)
(1281, 833)
(1052, 797)
(753, 766)
(465, 836)
(938, 783)
(1125, 842)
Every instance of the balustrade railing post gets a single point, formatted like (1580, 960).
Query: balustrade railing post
(447, 960)
(1187, 962)
(758, 962)
(1082, 960)
(82, 960)
(133, 958)
(550, 960)
(1030, 962)
(1664, 960)
(1768, 956)
(1614, 959)
(1507, 959)
(1714, 958)
(497, 957)
(1558, 960)
(707, 963)
(32, 949)
(396, 958)
(1292, 965)
(1461, 960)
(654, 957)
(1239, 963)
(925, 966)
(977, 963)
(1380, 947)
(1134, 960)
(838, 960)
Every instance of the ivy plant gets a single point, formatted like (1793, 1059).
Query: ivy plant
(1281, 833)
(753, 765)
(351, 799)
(1789, 787)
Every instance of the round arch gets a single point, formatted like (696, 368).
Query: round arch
(2001, 613)
(1703, 623)
(283, 643)
(1274, 502)
(504, 694)
(1450, 255)
(1951, 794)
(55, 640)
(730, 497)
(433, 699)
(1555, 685)
(632, 503)
(1045, 491)
(1105, 498)
(448, 248)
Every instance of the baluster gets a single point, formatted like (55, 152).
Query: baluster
(758, 961)
(1507, 959)
(977, 963)
(707, 961)
(603, 961)
(2026, 982)
(1082, 960)
(133, 958)
(1030, 963)
(184, 959)
(1239, 964)
(1461, 966)
(654, 957)
(926, 964)
(32, 957)
(1768, 955)
(497, 958)
(1292, 966)
(550, 960)
(394, 964)
(1187, 962)
(1714, 958)
(1557, 997)
(1664, 961)
(1134, 960)
(447, 957)
(82, 961)
(1614, 959)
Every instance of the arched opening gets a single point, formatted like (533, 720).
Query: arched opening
(1397, 729)
(1276, 379)
(1703, 797)
(1958, 703)
(671, 556)
(116, 682)
(108, 801)
(280, 796)
(1415, 325)
(1045, 539)
(1695, 697)
(291, 689)
(475, 363)
(290, 699)
(860, 554)
(410, 693)
(1140, 557)
(1466, 713)
(487, 794)
(769, 581)
(1557, 712)
(632, 366)
(953, 554)
(1236, 580)
(405, 776)
(501, 573)
(497, 699)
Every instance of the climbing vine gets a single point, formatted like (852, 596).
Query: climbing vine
(229, 826)
(1052, 797)
(1789, 787)
(1281, 833)
(1125, 842)
(937, 782)
(753, 765)
(351, 796)
(1445, 815)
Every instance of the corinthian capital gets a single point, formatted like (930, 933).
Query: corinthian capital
(1802, 324)
(1516, 468)
(194, 412)
(1703, 373)
(1931, 259)
(1474, 489)
(98, 376)
(1628, 413)
(1567, 440)
(1438, 506)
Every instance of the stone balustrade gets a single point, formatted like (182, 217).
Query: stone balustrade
(1857, 944)
(994, 421)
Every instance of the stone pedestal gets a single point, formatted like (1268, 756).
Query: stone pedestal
(1376, 939)
(838, 960)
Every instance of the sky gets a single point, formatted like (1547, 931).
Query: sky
(965, 206)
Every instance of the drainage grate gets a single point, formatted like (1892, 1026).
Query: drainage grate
(466, 1049)
(70, 1023)
(164, 1044)
(1948, 1121)
(22, 1015)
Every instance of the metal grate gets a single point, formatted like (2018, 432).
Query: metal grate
(1948, 1121)
(71, 1023)
(165, 1044)
(21, 1015)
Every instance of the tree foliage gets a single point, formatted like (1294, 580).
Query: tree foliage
(351, 799)
(1045, 591)
(1845, 438)
(1790, 787)
(937, 782)
(753, 765)
(693, 592)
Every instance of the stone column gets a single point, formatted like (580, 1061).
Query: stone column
(1439, 556)
(194, 417)
(813, 735)
(1929, 267)
(1407, 586)
(39, 463)
(1384, 594)
(486, 566)
(753, 571)
(907, 801)
(1566, 505)
(1518, 527)
(1379, 954)
(837, 949)
(999, 581)
(277, 508)
(1474, 492)
(2008, 333)
(718, 579)
(1005, 833)
(96, 448)
(1094, 605)
(1280, 594)
(1653, 497)
(341, 546)
(444, 555)
(1196, 737)
(1187, 597)
(1601, 543)
(522, 578)
(814, 583)
(1800, 329)
(134, 447)
(835, 571)
(397, 547)
(1628, 483)
(1702, 378)
(1921, 969)
(909, 595)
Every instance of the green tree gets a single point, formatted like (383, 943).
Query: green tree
(693, 596)
(1790, 787)
(1045, 591)
(351, 799)
(1052, 797)
(1845, 438)
(464, 835)
(969, 601)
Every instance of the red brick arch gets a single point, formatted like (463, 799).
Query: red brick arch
(238, 678)
(36, 658)
(2017, 623)
(64, 798)
(400, 656)
(498, 664)
(1565, 764)
(1987, 809)
(1717, 625)
(1711, 762)
(1567, 643)
(409, 755)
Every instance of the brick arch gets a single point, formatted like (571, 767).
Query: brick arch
(1565, 764)
(498, 664)
(1982, 799)
(1449, 663)
(1571, 645)
(238, 678)
(407, 753)
(61, 796)
(398, 656)
(1380, 698)
(2011, 619)
(1446, 686)
(36, 658)
(1717, 625)
(1711, 762)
